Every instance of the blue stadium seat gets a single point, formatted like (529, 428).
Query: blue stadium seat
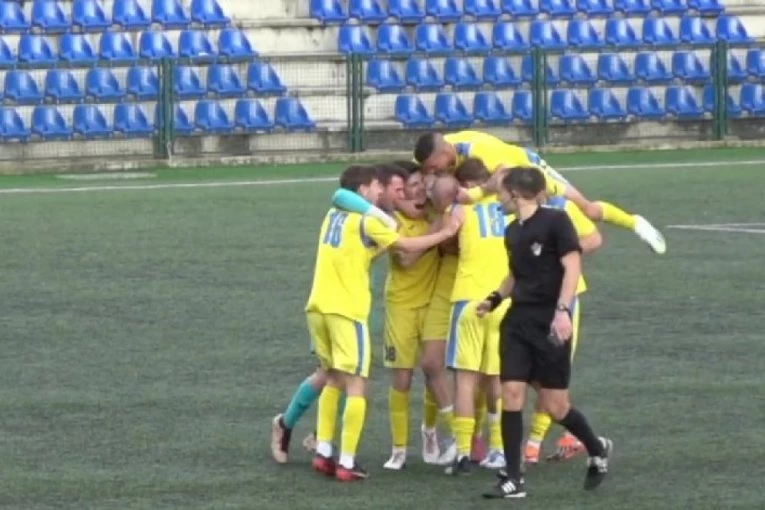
(734, 109)
(452, 112)
(422, 75)
(155, 46)
(544, 34)
(21, 87)
(130, 15)
(650, 68)
(116, 47)
(469, 38)
(394, 40)
(12, 19)
(681, 102)
(367, 11)
(527, 71)
(224, 81)
(632, 7)
(695, 30)
(461, 75)
(582, 34)
(488, 108)
(483, 9)
(170, 14)
(328, 11)
(186, 83)
(384, 76)
(208, 13)
(567, 106)
(643, 104)
(736, 69)
(292, 115)
(49, 15)
(558, 8)
(432, 39)
(520, 8)
(89, 121)
(595, 8)
(143, 82)
(76, 49)
(354, 39)
(670, 7)
(181, 120)
(12, 126)
(755, 63)
(195, 44)
(446, 11)
(603, 104)
(250, 115)
(263, 79)
(7, 55)
(706, 7)
(523, 106)
(36, 49)
(131, 120)
(507, 37)
(687, 66)
(210, 117)
(730, 28)
(574, 69)
(656, 31)
(60, 85)
(614, 70)
(753, 98)
(406, 11)
(233, 43)
(412, 112)
(499, 73)
(48, 123)
(89, 15)
(101, 84)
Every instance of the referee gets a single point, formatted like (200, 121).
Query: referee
(545, 266)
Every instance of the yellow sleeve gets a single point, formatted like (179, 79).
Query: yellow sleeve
(378, 232)
(582, 224)
(554, 187)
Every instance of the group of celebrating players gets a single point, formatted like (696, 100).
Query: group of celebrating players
(442, 221)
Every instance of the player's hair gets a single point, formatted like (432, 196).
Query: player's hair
(387, 171)
(471, 170)
(356, 176)
(425, 146)
(409, 166)
(528, 182)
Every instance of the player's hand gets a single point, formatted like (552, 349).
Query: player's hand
(492, 185)
(483, 308)
(561, 328)
(451, 223)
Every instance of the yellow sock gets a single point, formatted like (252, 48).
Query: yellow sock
(398, 409)
(540, 425)
(353, 424)
(480, 413)
(326, 413)
(429, 410)
(463, 433)
(617, 216)
(495, 427)
(447, 418)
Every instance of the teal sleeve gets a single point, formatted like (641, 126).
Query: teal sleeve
(350, 201)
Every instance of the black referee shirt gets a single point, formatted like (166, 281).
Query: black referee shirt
(535, 247)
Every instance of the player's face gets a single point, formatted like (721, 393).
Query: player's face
(392, 193)
(415, 189)
(506, 199)
(372, 192)
(441, 160)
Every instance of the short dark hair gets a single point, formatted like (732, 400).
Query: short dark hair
(356, 176)
(424, 147)
(387, 171)
(526, 181)
(472, 169)
(409, 166)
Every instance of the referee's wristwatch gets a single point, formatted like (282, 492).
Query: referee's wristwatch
(563, 308)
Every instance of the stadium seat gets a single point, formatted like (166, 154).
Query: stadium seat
(461, 75)
(558, 8)
(12, 19)
(181, 120)
(614, 70)
(186, 83)
(603, 104)
(706, 7)
(48, 123)
(233, 43)
(582, 34)
(354, 39)
(89, 121)
(210, 117)
(736, 69)
(12, 126)
(101, 84)
(544, 34)
(730, 29)
(650, 68)
(131, 120)
(527, 71)
(469, 38)
(384, 76)
(567, 106)
(250, 115)
(632, 7)
(755, 63)
(499, 73)
(507, 37)
(116, 47)
(170, 14)
(49, 16)
(328, 11)
(7, 55)
(263, 79)
(523, 106)
(367, 11)
(76, 49)
(574, 69)
(195, 44)
(734, 109)
(208, 13)
(520, 8)
(753, 98)
(670, 7)
(422, 75)
(155, 46)
(412, 112)
(595, 8)
(21, 87)
(688, 67)
(393, 39)
(143, 82)
(224, 81)
(130, 15)
(483, 9)
(446, 11)
(656, 31)
(694, 30)
(406, 11)
(451, 111)
(60, 85)
(36, 49)
(292, 115)
(89, 16)
(432, 39)
(488, 108)
(681, 102)
(643, 104)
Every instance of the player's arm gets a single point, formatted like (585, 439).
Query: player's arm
(589, 236)
(387, 238)
(570, 253)
(407, 260)
(350, 201)
(494, 299)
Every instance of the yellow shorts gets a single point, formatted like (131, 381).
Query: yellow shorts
(403, 335)
(436, 325)
(473, 342)
(340, 343)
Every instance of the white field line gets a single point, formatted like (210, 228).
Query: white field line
(722, 228)
(308, 180)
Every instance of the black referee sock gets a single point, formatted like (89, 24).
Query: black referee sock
(576, 423)
(512, 436)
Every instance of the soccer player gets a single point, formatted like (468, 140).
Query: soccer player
(337, 312)
(436, 152)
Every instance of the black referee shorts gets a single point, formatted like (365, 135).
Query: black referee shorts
(528, 354)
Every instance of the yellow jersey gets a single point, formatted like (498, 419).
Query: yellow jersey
(348, 243)
(483, 261)
(412, 286)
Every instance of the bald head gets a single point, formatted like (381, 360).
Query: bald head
(444, 191)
